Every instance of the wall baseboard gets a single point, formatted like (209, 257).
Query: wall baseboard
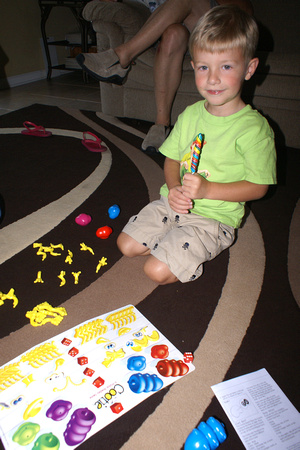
(25, 78)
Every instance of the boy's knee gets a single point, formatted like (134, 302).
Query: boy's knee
(158, 271)
(129, 246)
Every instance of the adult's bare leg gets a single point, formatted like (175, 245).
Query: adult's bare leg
(169, 13)
(168, 69)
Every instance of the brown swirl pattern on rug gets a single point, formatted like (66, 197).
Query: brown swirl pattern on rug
(238, 317)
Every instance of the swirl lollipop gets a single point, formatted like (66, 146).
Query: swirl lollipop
(196, 152)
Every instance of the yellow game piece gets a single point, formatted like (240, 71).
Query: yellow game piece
(59, 362)
(102, 262)
(86, 248)
(38, 316)
(9, 375)
(68, 379)
(90, 330)
(69, 258)
(28, 380)
(9, 296)
(41, 355)
(76, 276)
(123, 331)
(33, 409)
(112, 356)
(61, 276)
(39, 277)
(122, 317)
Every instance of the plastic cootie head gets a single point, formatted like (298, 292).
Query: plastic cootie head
(207, 436)
(113, 211)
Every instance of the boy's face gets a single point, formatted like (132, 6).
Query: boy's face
(219, 79)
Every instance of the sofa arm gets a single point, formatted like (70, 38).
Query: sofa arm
(115, 22)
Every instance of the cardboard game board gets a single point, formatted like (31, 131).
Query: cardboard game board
(61, 392)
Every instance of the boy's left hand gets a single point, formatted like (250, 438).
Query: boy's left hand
(194, 186)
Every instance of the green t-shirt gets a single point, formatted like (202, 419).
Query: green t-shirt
(237, 147)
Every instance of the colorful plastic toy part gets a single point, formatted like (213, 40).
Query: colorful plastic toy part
(172, 368)
(144, 341)
(188, 357)
(86, 248)
(69, 258)
(61, 276)
(47, 441)
(117, 408)
(104, 232)
(59, 362)
(59, 410)
(35, 130)
(17, 400)
(42, 250)
(92, 142)
(112, 356)
(88, 372)
(207, 436)
(76, 276)
(139, 383)
(101, 263)
(114, 211)
(41, 355)
(123, 317)
(98, 382)
(39, 277)
(9, 296)
(28, 380)
(90, 330)
(66, 341)
(38, 316)
(73, 352)
(33, 409)
(136, 363)
(26, 433)
(82, 360)
(160, 351)
(80, 424)
(83, 219)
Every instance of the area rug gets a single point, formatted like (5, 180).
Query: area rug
(240, 316)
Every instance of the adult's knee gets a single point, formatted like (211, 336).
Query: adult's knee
(174, 39)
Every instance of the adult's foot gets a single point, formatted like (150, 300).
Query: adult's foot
(103, 66)
(155, 137)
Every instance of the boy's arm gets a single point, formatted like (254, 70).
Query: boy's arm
(178, 201)
(194, 186)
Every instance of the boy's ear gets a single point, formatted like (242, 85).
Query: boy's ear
(192, 64)
(252, 66)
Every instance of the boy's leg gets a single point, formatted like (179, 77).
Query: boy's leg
(130, 247)
(158, 271)
(153, 268)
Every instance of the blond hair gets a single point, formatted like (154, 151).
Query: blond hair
(224, 28)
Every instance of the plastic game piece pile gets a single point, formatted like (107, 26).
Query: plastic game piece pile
(66, 389)
(44, 313)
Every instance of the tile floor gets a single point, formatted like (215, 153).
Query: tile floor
(67, 90)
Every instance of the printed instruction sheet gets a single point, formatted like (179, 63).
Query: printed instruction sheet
(260, 412)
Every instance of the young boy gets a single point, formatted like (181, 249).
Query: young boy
(196, 216)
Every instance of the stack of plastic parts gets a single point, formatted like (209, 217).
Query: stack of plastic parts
(207, 436)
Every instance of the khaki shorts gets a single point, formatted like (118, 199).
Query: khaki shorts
(182, 241)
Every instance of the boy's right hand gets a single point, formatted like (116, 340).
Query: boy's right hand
(178, 201)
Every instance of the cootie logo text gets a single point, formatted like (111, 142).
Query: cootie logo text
(103, 401)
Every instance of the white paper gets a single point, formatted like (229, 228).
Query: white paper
(260, 412)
